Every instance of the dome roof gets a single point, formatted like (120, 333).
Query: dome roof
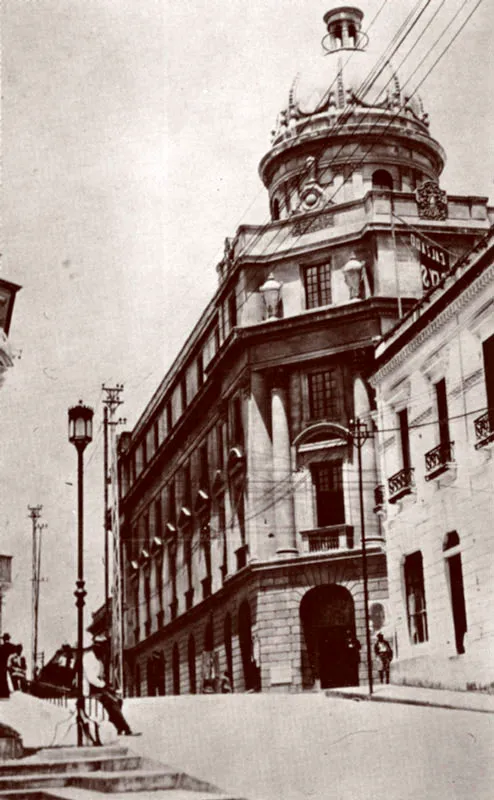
(341, 78)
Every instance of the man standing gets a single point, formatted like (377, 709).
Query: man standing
(6, 650)
(96, 686)
(384, 653)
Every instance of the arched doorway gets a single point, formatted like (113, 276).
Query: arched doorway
(328, 619)
(176, 669)
(191, 653)
(249, 665)
(227, 630)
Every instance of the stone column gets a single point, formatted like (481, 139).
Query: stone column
(286, 544)
(259, 509)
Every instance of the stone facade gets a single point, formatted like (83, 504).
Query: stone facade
(438, 365)
(239, 487)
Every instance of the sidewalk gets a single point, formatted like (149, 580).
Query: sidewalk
(418, 696)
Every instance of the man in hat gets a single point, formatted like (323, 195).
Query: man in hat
(96, 686)
(6, 650)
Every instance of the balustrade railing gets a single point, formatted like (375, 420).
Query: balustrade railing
(400, 484)
(438, 459)
(484, 429)
(332, 537)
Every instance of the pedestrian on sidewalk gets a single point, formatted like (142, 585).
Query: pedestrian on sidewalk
(353, 648)
(96, 686)
(6, 650)
(384, 653)
(226, 684)
(16, 666)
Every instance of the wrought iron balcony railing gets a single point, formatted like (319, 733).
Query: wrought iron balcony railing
(401, 484)
(484, 430)
(331, 537)
(438, 459)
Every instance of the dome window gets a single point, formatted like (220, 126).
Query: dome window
(276, 209)
(381, 179)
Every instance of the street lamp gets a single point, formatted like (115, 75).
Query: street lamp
(80, 435)
(271, 292)
(358, 432)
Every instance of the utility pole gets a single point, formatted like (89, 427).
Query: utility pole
(360, 435)
(111, 403)
(34, 515)
(40, 528)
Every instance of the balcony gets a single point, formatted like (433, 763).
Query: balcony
(189, 599)
(206, 584)
(438, 460)
(241, 556)
(484, 430)
(331, 537)
(400, 484)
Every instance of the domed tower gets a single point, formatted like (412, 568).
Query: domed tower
(349, 126)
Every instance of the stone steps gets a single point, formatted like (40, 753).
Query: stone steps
(58, 773)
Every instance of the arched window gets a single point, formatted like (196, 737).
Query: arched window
(176, 669)
(208, 638)
(191, 653)
(276, 209)
(381, 179)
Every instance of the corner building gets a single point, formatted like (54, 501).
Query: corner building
(239, 488)
(434, 380)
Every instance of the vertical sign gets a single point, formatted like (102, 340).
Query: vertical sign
(434, 261)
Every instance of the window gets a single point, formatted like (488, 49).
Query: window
(328, 484)
(187, 487)
(204, 467)
(442, 411)
(415, 594)
(147, 596)
(324, 401)
(219, 446)
(176, 669)
(169, 420)
(200, 370)
(156, 435)
(222, 533)
(381, 179)
(183, 393)
(488, 352)
(145, 532)
(232, 310)
(276, 209)
(404, 438)
(318, 285)
(236, 422)
(172, 503)
(158, 527)
(191, 654)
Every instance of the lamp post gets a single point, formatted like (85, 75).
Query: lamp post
(359, 434)
(80, 435)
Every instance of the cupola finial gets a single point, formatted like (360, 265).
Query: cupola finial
(344, 29)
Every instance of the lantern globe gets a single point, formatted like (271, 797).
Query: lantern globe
(80, 425)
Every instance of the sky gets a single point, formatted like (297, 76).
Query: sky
(131, 137)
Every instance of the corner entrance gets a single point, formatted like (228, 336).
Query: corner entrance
(328, 622)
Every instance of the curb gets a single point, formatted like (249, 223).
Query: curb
(407, 701)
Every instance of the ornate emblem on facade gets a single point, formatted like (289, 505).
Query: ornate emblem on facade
(432, 201)
(317, 223)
